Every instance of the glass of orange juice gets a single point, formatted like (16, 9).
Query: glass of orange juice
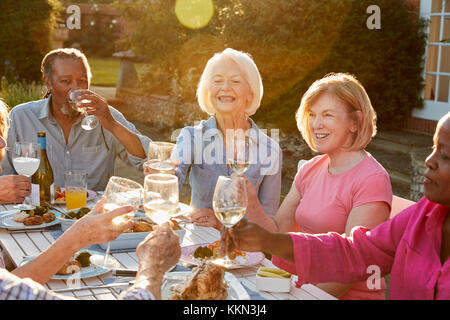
(76, 188)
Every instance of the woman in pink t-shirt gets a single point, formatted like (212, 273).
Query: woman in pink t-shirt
(343, 188)
(414, 246)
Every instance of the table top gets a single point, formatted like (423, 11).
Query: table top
(16, 246)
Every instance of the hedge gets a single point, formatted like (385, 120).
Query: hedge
(26, 30)
(293, 42)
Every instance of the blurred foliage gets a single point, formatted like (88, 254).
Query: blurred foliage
(98, 38)
(26, 30)
(17, 92)
(293, 42)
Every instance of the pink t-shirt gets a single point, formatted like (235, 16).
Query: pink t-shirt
(328, 199)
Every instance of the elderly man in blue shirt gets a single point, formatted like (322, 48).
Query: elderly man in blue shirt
(68, 145)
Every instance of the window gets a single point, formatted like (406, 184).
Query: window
(437, 72)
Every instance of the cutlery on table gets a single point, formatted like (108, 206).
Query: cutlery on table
(33, 230)
(102, 286)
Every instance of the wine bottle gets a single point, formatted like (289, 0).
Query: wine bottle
(42, 187)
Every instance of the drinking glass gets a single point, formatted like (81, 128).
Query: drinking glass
(89, 122)
(159, 154)
(229, 204)
(75, 188)
(239, 155)
(118, 193)
(26, 159)
(160, 197)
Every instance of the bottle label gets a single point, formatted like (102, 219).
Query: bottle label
(42, 141)
(35, 196)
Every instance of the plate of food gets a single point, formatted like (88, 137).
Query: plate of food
(78, 266)
(207, 281)
(142, 227)
(39, 217)
(198, 253)
(60, 195)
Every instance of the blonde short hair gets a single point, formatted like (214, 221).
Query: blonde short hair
(249, 70)
(348, 90)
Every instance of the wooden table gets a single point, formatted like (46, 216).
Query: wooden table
(18, 245)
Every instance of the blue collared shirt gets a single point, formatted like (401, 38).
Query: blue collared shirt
(85, 150)
(202, 149)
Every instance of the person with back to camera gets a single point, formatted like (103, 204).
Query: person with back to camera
(345, 186)
(156, 254)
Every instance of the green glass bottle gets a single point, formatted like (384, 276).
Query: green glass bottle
(42, 186)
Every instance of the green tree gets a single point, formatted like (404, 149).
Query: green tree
(26, 36)
(293, 42)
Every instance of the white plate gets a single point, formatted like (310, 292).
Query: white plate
(131, 240)
(90, 196)
(235, 289)
(87, 272)
(250, 258)
(182, 210)
(7, 221)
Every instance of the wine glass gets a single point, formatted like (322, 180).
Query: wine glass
(26, 159)
(229, 204)
(159, 154)
(160, 197)
(239, 155)
(118, 193)
(89, 122)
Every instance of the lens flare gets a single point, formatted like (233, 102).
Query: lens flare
(194, 14)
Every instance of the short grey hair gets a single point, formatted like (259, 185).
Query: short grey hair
(249, 70)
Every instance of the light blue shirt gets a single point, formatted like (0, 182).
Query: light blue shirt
(202, 149)
(85, 150)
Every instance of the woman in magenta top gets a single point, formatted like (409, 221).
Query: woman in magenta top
(343, 188)
(414, 246)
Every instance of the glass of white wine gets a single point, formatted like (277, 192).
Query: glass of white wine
(159, 155)
(160, 197)
(229, 204)
(118, 193)
(239, 155)
(26, 159)
(89, 122)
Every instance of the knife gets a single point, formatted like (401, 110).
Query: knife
(168, 276)
(111, 285)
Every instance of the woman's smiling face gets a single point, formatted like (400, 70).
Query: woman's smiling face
(330, 124)
(437, 175)
(230, 91)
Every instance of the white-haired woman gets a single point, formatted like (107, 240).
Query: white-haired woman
(230, 90)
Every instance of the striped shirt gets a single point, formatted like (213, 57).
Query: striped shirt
(15, 288)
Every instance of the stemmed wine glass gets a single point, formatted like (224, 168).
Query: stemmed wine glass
(118, 193)
(89, 122)
(26, 159)
(160, 197)
(239, 155)
(159, 154)
(229, 204)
